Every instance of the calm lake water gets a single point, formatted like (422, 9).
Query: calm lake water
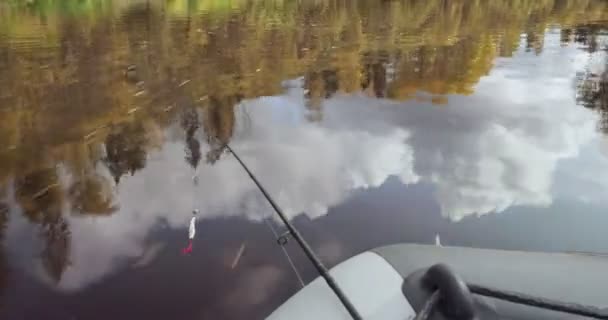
(370, 122)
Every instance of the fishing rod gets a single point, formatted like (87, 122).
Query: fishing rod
(302, 243)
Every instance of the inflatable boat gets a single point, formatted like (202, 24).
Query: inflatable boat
(411, 281)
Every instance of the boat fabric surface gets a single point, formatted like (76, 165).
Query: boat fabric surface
(368, 281)
(568, 277)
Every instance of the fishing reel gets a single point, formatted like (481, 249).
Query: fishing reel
(283, 239)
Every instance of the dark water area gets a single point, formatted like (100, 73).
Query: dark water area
(481, 123)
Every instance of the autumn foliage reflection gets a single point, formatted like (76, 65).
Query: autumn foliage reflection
(88, 87)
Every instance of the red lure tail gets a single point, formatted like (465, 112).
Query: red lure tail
(187, 249)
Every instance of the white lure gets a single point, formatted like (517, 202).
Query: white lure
(192, 228)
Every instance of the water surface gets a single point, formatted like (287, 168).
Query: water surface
(370, 122)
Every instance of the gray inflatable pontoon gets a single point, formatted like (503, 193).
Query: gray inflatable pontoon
(388, 283)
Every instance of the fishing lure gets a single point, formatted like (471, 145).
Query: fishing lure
(191, 233)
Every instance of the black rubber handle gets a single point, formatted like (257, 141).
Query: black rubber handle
(456, 301)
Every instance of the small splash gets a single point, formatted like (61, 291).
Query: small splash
(438, 240)
(238, 256)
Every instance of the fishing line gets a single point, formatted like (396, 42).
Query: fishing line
(302, 243)
(193, 149)
(293, 266)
